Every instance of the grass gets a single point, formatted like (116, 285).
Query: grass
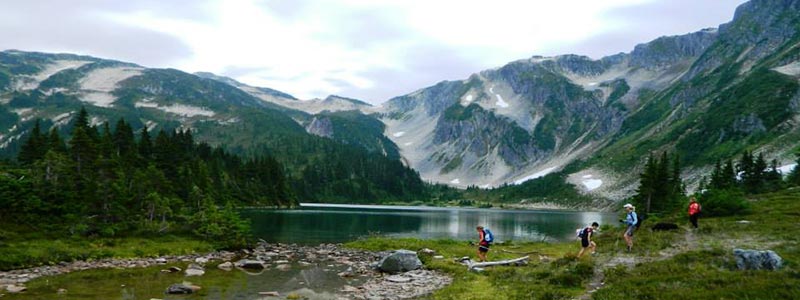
(22, 252)
(663, 265)
(560, 276)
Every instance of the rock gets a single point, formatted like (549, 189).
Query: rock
(182, 288)
(14, 289)
(201, 260)
(400, 261)
(172, 270)
(269, 294)
(61, 291)
(227, 266)
(283, 267)
(347, 273)
(438, 257)
(280, 262)
(349, 289)
(426, 251)
(744, 222)
(398, 279)
(757, 260)
(250, 264)
(195, 270)
(294, 296)
(161, 260)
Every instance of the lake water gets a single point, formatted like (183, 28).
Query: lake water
(325, 223)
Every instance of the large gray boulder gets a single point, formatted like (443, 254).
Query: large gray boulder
(757, 260)
(400, 261)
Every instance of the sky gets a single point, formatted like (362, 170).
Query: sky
(371, 50)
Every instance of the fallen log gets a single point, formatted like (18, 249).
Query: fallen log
(517, 261)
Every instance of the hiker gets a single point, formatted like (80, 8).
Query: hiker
(586, 238)
(630, 221)
(484, 242)
(694, 211)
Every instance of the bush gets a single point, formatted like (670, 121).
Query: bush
(718, 203)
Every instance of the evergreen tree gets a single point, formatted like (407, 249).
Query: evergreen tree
(35, 147)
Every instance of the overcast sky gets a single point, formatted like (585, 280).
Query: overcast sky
(367, 49)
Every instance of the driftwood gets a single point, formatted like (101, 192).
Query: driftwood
(479, 266)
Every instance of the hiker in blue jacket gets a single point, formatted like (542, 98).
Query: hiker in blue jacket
(630, 220)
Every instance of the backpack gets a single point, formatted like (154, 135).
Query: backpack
(487, 235)
(639, 219)
(581, 233)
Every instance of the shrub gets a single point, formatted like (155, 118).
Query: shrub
(717, 203)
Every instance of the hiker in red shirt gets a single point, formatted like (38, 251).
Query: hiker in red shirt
(694, 211)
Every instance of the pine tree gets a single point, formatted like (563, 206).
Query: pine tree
(145, 144)
(55, 142)
(35, 147)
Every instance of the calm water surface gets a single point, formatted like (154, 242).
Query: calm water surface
(325, 223)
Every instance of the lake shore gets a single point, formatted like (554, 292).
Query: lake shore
(357, 269)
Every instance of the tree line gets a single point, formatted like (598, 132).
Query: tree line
(108, 182)
(661, 189)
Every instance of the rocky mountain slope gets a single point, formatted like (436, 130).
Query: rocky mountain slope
(705, 95)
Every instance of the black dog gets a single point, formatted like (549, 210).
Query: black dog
(665, 226)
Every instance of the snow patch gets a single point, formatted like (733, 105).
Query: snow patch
(592, 184)
(145, 104)
(150, 125)
(500, 101)
(178, 109)
(99, 99)
(408, 144)
(455, 181)
(60, 117)
(785, 170)
(31, 82)
(10, 140)
(467, 100)
(399, 134)
(541, 173)
(587, 176)
(12, 128)
(187, 110)
(792, 69)
(98, 84)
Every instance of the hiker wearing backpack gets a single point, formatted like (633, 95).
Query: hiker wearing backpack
(586, 238)
(486, 239)
(694, 211)
(630, 221)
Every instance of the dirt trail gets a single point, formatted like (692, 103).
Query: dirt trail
(606, 261)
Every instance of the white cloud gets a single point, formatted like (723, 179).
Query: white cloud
(314, 48)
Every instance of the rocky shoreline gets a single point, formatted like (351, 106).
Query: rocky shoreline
(360, 269)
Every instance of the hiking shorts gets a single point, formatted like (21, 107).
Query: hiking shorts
(483, 248)
(584, 243)
(630, 230)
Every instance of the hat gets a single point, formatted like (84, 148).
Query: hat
(628, 205)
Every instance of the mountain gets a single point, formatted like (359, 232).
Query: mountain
(706, 95)
(331, 103)
(53, 88)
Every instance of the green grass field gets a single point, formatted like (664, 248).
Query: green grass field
(682, 264)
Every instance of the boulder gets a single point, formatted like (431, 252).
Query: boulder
(283, 267)
(227, 266)
(181, 288)
(400, 261)
(195, 270)
(426, 251)
(250, 264)
(757, 260)
(14, 289)
(161, 261)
